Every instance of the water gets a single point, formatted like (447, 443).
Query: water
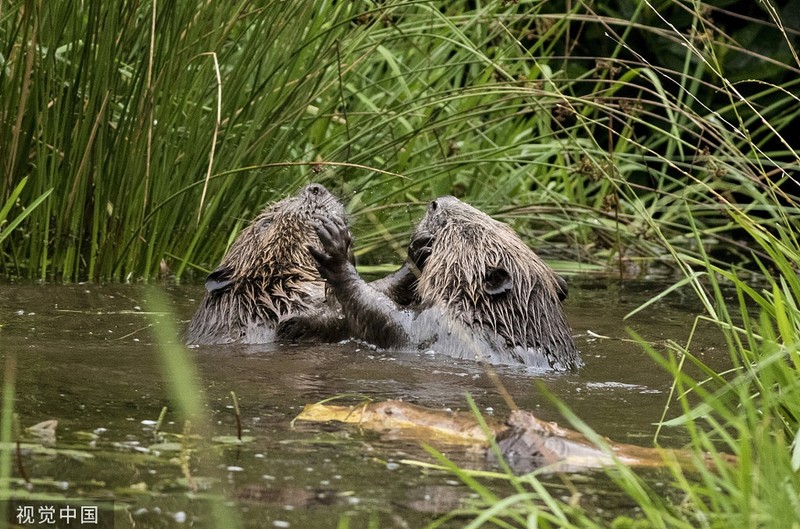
(85, 356)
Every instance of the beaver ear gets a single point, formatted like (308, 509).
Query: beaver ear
(219, 279)
(497, 281)
(563, 289)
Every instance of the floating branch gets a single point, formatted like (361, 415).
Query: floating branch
(525, 441)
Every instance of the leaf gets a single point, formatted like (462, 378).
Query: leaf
(28, 210)
(166, 447)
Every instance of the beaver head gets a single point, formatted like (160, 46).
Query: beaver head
(268, 273)
(275, 242)
(481, 274)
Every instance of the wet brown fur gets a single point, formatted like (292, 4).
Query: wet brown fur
(268, 274)
(481, 274)
(482, 294)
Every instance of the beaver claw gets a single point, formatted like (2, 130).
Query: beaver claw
(419, 249)
(335, 240)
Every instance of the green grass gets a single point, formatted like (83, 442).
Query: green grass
(593, 129)
(6, 425)
(185, 390)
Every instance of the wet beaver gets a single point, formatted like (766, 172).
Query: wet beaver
(482, 293)
(268, 275)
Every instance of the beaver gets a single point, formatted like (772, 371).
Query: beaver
(482, 293)
(268, 275)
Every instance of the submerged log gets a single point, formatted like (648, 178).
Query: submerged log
(526, 442)
(402, 420)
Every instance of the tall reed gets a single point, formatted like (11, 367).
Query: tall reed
(161, 128)
(125, 110)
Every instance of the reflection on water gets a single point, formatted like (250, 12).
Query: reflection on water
(85, 357)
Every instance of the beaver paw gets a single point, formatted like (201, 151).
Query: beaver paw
(318, 326)
(335, 240)
(297, 328)
(292, 329)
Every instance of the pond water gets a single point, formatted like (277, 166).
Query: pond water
(86, 356)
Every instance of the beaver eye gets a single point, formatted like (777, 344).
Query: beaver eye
(314, 189)
(262, 225)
